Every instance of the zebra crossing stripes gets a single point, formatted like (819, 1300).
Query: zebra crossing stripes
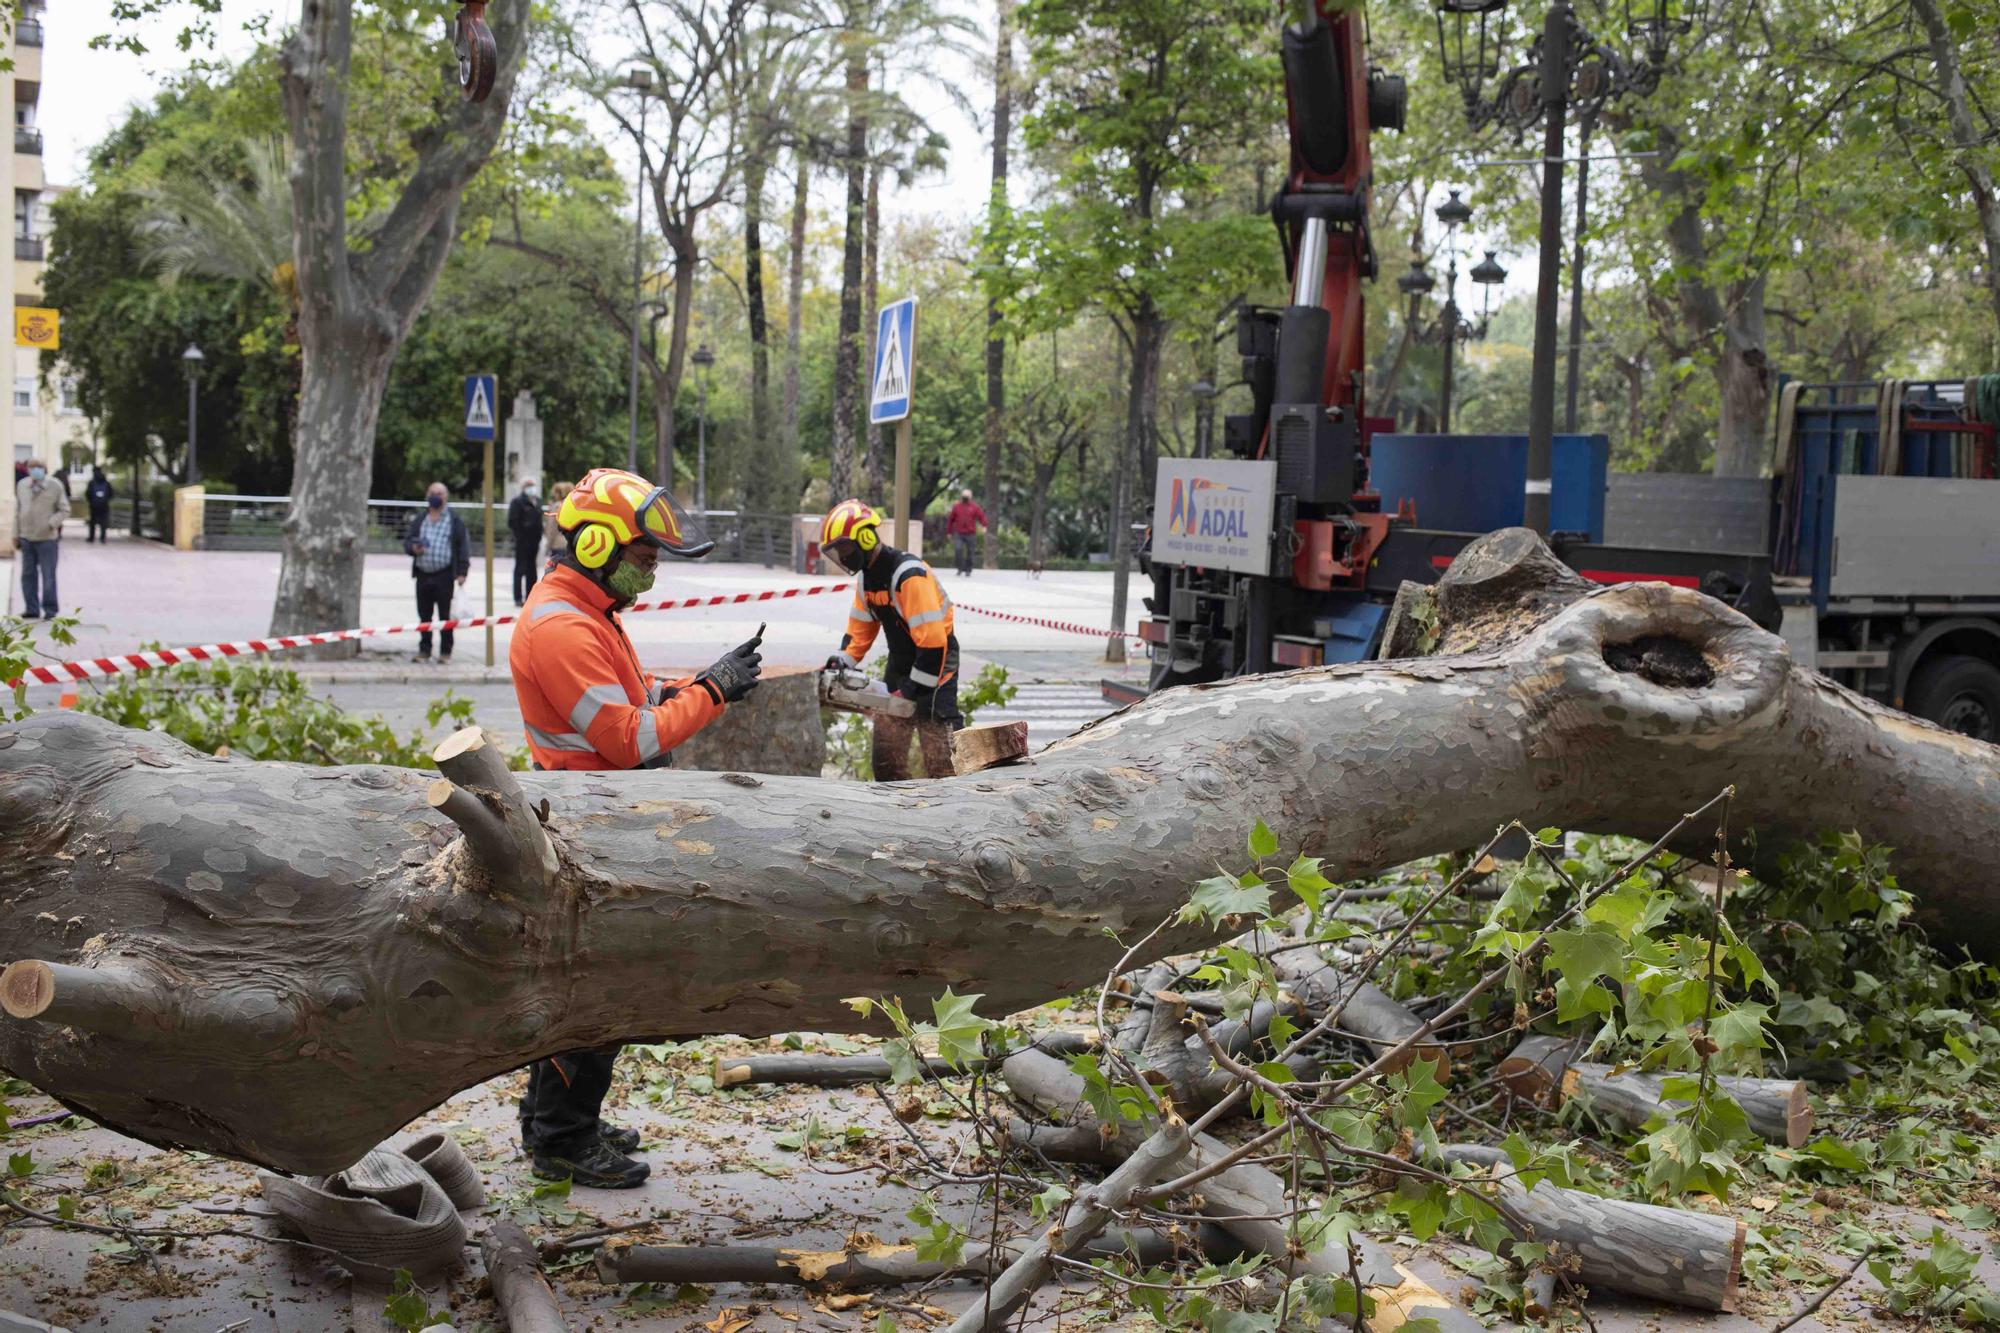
(1051, 711)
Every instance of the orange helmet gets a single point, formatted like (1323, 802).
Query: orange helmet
(612, 508)
(851, 520)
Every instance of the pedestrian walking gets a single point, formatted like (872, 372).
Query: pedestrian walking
(40, 506)
(963, 523)
(98, 496)
(440, 558)
(524, 520)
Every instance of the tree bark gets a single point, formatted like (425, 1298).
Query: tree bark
(846, 1071)
(757, 492)
(871, 257)
(325, 932)
(1250, 1203)
(521, 1290)
(1971, 151)
(357, 305)
(1130, 493)
(1640, 1249)
(1367, 1011)
(996, 346)
(847, 370)
(795, 296)
(1540, 1071)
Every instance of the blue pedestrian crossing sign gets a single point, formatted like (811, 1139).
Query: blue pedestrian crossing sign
(482, 400)
(895, 358)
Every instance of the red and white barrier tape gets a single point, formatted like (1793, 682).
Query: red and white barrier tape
(95, 667)
(1045, 624)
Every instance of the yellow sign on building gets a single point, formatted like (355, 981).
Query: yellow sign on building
(37, 327)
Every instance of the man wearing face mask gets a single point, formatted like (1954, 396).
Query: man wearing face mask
(524, 521)
(896, 593)
(440, 557)
(40, 506)
(589, 705)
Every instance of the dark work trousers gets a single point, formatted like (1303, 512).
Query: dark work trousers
(100, 523)
(524, 569)
(559, 1112)
(434, 603)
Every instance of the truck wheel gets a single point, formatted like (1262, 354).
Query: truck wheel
(1960, 694)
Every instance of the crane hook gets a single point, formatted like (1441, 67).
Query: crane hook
(476, 54)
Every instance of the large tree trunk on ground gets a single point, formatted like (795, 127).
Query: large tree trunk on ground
(247, 927)
(358, 304)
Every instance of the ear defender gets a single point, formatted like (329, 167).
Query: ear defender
(865, 539)
(592, 545)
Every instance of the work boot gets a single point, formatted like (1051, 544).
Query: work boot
(617, 1136)
(598, 1166)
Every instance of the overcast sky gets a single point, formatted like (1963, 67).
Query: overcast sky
(85, 93)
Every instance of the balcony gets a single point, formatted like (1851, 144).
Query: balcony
(31, 248)
(28, 32)
(27, 140)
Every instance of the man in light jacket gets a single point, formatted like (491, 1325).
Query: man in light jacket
(40, 506)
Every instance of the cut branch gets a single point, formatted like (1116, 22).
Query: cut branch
(520, 1288)
(1539, 1070)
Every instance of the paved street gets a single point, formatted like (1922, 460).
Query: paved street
(132, 593)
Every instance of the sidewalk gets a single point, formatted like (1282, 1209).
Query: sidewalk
(131, 593)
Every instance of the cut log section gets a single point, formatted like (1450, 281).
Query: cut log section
(1539, 1071)
(520, 1288)
(1664, 1254)
(1249, 1202)
(409, 966)
(988, 745)
(1367, 1011)
(847, 1071)
(876, 1264)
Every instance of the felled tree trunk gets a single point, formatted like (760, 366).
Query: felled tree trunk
(287, 964)
(1540, 1070)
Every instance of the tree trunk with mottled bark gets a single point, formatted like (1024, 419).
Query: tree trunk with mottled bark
(795, 296)
(1971, 151)
(358, 304)
(758, 495)
(871, 260)
(996, 346)
(285, 964)
(848, 390)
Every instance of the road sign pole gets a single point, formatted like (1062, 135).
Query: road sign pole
(903, 483)
(486, 493)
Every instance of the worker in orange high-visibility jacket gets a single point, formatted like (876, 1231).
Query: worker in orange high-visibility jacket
(896, 594)
(589, 705)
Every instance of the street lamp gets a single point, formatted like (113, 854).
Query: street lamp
(640, 81)
(191, 361)
(1451, 327)
(1205, 393)
(703, 359)
(1567, 68)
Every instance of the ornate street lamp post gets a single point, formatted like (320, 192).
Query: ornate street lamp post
(1567, 68)
(1450, 327)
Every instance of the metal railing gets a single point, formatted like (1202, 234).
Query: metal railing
(27, 139)
(30, 248)
(28, 32)
(256, 523)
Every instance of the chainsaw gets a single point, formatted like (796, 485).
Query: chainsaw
(855, 692)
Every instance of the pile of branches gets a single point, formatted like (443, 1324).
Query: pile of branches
(1225, 1133)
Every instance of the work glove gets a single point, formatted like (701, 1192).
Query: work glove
(839, 662)
(735, 674)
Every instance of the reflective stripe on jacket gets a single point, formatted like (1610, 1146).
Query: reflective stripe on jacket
(585, 700)
(899, 595)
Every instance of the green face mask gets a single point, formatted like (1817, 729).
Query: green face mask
(629, 581)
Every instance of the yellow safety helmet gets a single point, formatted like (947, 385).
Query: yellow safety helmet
(851, 520)
(612, 508)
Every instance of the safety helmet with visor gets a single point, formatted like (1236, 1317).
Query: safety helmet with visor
(611, 516)
(851, 535)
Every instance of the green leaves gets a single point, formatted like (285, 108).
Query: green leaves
(1263, 842)
(1217, 900)
(1581, 955)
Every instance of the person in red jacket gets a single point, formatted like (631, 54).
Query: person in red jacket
(963, 523)
(589, 705)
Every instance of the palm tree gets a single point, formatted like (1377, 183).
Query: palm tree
(236, 230)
